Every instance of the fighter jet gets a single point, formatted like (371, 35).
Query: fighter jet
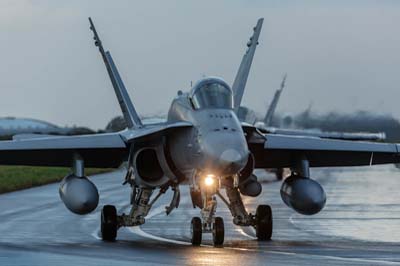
(247, 115)
(202, 143)
(265, 126)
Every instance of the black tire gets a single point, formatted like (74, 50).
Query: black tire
(109, 223)
(218, 232)
(264, 222)
(196, 230)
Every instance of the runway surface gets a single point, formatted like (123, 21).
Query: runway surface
(360, 225)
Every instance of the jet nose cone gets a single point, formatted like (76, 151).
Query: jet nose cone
(230, 156)
(223, 154)
(232, 161)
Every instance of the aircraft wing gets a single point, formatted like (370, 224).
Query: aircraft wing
(280, 151)
(97, 150)
(153, 130)
(365, 136)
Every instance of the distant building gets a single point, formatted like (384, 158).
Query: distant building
(10, 126)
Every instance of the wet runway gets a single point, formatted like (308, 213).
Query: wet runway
(360, 225)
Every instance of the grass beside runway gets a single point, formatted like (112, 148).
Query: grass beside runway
(14, 178)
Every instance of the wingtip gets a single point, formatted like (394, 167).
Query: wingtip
(91, 23)
(259, 24)
(283, 83)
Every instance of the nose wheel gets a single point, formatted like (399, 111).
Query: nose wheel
(197, 231)
(218, 231)
(216, 228)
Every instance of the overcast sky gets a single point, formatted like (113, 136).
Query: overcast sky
(341, 55)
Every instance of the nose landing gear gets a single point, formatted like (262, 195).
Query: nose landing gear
(216, 228)
(196, 229)
(218, 231)
(204, 197)
(212, 224)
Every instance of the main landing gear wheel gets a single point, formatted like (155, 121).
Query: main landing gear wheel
(109, 224)
(218, 231)
(197, 231)
(263, 222)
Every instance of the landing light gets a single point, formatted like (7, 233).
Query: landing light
(209, 180)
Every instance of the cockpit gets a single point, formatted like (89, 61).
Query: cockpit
(211, 93)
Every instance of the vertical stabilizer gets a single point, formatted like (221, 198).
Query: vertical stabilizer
(241, 77)
(131, 117)
(272, 107)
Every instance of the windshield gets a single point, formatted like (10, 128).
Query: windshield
(212, 95)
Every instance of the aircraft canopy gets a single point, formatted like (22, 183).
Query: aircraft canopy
(212, 93)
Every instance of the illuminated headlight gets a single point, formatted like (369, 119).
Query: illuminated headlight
(209, 180)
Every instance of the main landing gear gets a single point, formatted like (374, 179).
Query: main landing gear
(109, 223)
(263, 223)
(204, 192)
(141, 205)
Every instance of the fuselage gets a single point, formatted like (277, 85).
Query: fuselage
(216, 143)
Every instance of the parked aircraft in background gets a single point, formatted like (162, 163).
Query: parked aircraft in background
(202, 143)
(265, 126)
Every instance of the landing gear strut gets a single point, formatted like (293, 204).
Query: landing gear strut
(204, 196)
(110, 221)
(141, 205)
(261, 221)
(212, 224)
